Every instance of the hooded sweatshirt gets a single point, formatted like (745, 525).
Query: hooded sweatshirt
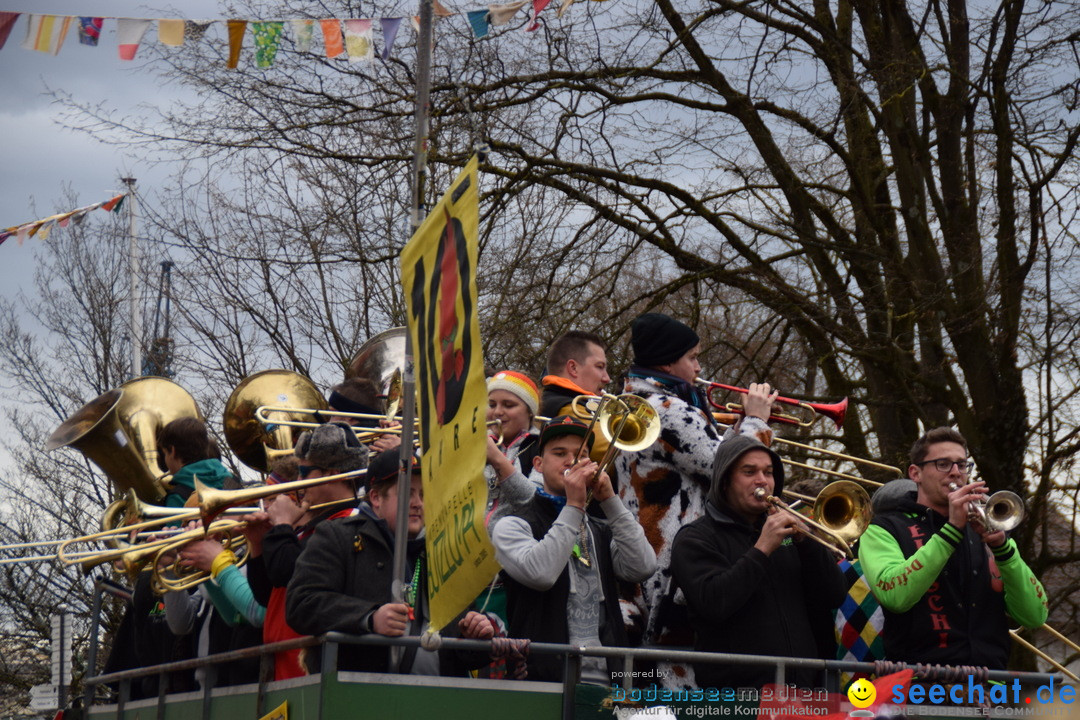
(744, 601)
(210, 472)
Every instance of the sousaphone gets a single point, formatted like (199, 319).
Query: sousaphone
(382, 360)
(117, 431)
(254, 444)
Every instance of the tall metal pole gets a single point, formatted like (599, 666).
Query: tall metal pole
(417, 214)
(135, 269)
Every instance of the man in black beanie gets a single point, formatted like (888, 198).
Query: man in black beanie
(754, 584)
(665, 485)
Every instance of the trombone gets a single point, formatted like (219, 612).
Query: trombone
(728, 419)
(843, 512)
(213, 502)
(833, 411)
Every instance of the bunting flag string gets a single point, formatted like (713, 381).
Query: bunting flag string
(348, 37)
(41, 228)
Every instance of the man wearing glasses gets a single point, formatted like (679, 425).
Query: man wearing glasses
(948, 585)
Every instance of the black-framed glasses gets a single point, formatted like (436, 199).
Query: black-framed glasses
(946, 465)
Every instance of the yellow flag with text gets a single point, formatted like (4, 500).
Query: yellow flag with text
(438, 270)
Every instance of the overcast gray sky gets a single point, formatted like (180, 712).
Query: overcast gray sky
(40, 158)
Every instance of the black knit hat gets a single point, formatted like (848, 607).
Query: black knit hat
(659, 340)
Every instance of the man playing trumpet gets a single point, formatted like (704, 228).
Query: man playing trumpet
(947, 583)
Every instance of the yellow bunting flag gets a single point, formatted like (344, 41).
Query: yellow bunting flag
(171, 32)
(438, 270)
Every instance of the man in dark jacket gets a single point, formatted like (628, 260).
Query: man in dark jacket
(948, 584)
(752, 583)
(343, 577)
(277, 536)
(560, 566)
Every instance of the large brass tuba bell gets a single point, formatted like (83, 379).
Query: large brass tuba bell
(254, 444)
(382, 360)
(118, 431)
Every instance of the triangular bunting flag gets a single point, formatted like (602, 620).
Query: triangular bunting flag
(236, 41)
(358, 40)
(439, 10)
(90, 30)
(390, 27)
(303, 30)
(267, 36)
(415, 22)
(195, 29)
(563, 7)
(479, 21)
(502, 14)
(129, 33)
(534, 21)
(171, 32)
(4, 235)
(7, 21)
(331, 31)
(113, 204)
(46, 33)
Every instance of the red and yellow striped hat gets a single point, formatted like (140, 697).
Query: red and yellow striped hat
(517, 384)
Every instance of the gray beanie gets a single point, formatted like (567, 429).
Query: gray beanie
(332, 446)
(728, 454)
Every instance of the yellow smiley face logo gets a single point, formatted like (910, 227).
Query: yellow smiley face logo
(862, 693)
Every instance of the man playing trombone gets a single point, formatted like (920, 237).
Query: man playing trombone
(753, 583)
(946, 581)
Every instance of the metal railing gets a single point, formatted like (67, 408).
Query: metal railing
(330, 643)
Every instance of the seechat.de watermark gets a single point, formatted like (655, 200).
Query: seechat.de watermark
(974, 693)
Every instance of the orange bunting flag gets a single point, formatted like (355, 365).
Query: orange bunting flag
(171, 32)
(440, 10)
(331, 30)
(46, 33)
(236, 41)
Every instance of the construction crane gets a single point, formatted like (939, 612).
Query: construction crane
(159, 355)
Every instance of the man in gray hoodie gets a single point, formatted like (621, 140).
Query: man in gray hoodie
(753, 583)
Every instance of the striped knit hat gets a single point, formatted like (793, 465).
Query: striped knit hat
(518, 385)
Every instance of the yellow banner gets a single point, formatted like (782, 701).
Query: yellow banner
(281, 712)
(438, 270)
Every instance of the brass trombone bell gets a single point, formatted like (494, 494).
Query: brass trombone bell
(631, 425)
(843, 514)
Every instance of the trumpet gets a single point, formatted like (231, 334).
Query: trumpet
(833, 411)
(1002, 511)
(843, 511)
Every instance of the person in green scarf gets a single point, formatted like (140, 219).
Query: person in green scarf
(188, 452)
